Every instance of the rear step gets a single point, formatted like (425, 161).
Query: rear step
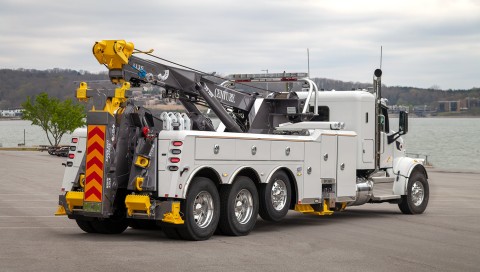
(383, 198)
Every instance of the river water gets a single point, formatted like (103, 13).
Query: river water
(12, 134)
(450, 143)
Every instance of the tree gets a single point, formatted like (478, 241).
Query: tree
(54, 116)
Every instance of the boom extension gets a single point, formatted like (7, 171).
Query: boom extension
(191, 87)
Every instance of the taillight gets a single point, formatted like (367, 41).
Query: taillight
(71, 156)
(177, 143)
(145, 131)
(74, 140)
(174, 160)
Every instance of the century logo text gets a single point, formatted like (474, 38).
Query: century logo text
(224, 95)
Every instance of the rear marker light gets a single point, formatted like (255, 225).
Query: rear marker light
(145, 131)
(176, 151)
(173, 168)
(74, 140)
(177, 143)
(71, 156)
(174, 160)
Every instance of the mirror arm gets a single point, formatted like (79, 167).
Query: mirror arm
(393, 137)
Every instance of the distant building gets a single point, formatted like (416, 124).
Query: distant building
(448, 106)
(460, 105)
(11, 113)
(397, 108)
(471, 102)
(422, 111)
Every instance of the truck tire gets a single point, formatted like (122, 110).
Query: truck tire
(275, 197)
(239, 207)
(86, 226)
(110, 225)
(418, 192)
(143, 224)
(171, 231)
(201, 210)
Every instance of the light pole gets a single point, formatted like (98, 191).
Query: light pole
(266, 70)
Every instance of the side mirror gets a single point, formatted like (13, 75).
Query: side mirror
(403, 123)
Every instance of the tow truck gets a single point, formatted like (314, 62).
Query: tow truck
(315, 152)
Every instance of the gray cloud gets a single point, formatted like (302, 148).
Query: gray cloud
(425, 42)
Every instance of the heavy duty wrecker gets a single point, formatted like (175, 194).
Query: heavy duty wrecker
(315, 152)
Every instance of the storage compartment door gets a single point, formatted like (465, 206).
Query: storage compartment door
(214, 149)
(346, 166)
(368, 150)
(328, 157)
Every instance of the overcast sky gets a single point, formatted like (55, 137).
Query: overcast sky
(425, 43)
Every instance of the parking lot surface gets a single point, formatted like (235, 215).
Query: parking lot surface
(372, 237)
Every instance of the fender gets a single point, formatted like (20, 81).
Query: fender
(293, 182)
(235, 173)
(403, 168)
(273, 172)
(193, 174)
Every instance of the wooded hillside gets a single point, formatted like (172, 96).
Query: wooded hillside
(16, 85)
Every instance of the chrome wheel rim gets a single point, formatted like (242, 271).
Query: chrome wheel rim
(279, 194)
(418, 193)
(243, 206)
(203, 209)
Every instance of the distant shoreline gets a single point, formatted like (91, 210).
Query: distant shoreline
(436, 117)
(10, 118)
(155, 110)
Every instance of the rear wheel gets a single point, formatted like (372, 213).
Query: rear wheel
(275, 197)
(143, 224)
(418, 192)
(86, 226)
(201, 210)
(110, 225)
(239, 207)
(171, 231)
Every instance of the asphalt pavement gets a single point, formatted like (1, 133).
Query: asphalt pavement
(372, 237)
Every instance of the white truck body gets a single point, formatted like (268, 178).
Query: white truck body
(314, 152)
(325, 156)
(227, 154)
